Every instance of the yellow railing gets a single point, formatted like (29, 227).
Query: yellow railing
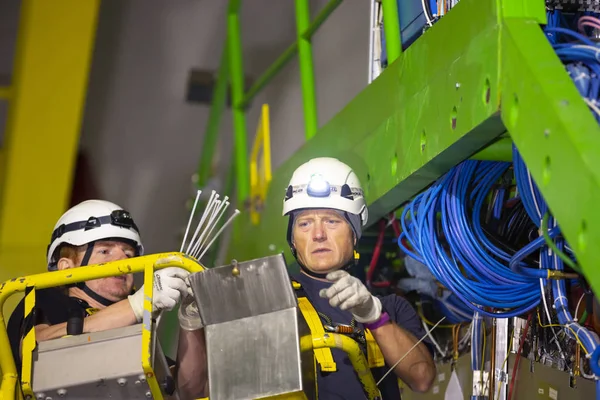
(146, 264)
(260, 167)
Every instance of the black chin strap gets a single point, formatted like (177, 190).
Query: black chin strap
(86, 289)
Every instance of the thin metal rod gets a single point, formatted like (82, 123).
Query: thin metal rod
(214, 119)
(287, 55)
(320, 19)
(307, 76)
(269, 74)
(237, 94)
(391, 28)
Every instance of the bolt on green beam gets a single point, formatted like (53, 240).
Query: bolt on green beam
(391, 29)
(214, 119)
(239, 117)
(307, 76)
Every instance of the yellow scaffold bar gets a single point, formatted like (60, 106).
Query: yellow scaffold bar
(71, 276)
(53, 54)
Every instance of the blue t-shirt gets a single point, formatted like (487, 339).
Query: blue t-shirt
(344, 384)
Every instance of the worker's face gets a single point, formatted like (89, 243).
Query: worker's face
(114, 288)
(323, 240)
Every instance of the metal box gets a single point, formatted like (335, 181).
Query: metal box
(253, 330)
(99, 365)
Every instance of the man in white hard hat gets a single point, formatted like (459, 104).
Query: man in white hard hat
(327, 209)
(95, 232)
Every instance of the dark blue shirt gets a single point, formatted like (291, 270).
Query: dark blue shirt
(344, 384)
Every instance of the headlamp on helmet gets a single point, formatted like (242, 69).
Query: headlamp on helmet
(318, 186)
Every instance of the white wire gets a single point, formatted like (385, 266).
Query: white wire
(213, 198)
(593, 106)
(435, 343)
(543, 293)
(192, 242)
(210, 213)
(235, 214)
(187, 230)
(425, 12)
(408, 352)
(215, 217)
(217, 214)
(578, 304)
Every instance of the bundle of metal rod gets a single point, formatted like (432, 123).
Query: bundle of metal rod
(201, 240)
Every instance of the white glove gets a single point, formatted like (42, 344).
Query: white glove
(348, 293)
(170, 286)
(189, 316)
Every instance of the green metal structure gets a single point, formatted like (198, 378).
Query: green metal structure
(483, 74)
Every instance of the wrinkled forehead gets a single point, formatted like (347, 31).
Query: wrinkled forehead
(318, 212)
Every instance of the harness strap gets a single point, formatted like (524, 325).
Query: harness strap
(323, 356)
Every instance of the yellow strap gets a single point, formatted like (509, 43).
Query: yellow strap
(323, 356)
(374, 355)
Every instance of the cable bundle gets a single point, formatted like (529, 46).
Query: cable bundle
(552, 256)
(466, 262)
(581, 55)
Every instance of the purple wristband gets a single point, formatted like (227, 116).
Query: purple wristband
(383, 319)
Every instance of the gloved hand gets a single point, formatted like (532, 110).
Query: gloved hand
(189, 316)
(170, 286)
(348, 293)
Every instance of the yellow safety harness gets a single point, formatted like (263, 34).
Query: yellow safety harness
(323, 356)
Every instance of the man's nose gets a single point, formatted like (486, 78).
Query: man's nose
(319, 232)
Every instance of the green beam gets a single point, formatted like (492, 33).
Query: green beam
(217, 107)
(307, 75)
(391, 28)
(500, 150)
(288, 54)
(320, 19)
(237, 94)
(436, 105)
(557, 136)
(269, 74)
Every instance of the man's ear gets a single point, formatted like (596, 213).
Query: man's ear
(65, 263)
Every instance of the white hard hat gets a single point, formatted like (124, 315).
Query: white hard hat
(325, 182)
(90, 221)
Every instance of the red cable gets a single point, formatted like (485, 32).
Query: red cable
(376, 252)
(516, 366)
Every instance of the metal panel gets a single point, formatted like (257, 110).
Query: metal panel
(261, 357)
(243, 289)
(92, 372)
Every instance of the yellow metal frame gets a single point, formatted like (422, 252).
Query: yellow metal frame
(147, 264)
(259, 183)
(53, 55)
(356, 356)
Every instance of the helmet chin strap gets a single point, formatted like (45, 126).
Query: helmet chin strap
(86, 289)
